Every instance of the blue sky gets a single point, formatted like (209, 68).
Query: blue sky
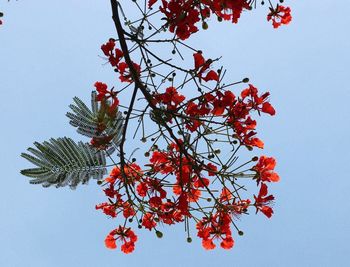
(49, 53)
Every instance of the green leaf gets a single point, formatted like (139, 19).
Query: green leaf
(63, 162)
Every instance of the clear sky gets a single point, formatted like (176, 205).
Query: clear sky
(49, 53)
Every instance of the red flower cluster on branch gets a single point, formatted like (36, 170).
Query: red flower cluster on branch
(186, 179)
(115, 55)
(183, 15)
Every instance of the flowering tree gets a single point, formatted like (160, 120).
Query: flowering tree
(191, 124)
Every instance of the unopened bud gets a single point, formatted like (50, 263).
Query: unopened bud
(255, 158)
(159, 234)
(99, 182)
(240, 233)
(189, 239)
(147, 154)
(204, 25)
(219, 19)
(209, 199)
(245, 80)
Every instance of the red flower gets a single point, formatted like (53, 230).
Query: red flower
(151, 3)
(181, 17)
(222, 101)
(201, 66)
(257, 102)
(280, 15)
(212, 169)
(225, 195)
(161, 162)
(110, 242)
(215, 227)
(128, 210)
(262, 201)
(171, 98)
(108, 209)
(142, 189)
(125, 235)
(265, 170)
(125, 74)
(103, 95)
(227, 243)
(229, 10)
(148, 221)
(114, 55)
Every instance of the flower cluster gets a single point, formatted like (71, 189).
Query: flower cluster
(183, 15)
(115, 55)
(279, 15)
(125, 235)
(184, 177)
(139, 195)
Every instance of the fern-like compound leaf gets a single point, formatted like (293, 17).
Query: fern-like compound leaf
(61, 162)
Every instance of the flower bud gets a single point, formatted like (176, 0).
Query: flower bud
(255, 158)
(204, 25)
(99, 182)
(159, 234)
(240, 233)
(189, 239)
(245, 80)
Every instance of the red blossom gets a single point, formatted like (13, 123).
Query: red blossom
(125, 235)
(215, 227)
(124, 71)
(262, 201)
(201, 66)
(181, 17)
(280, 15)
(171, 98)
(265, 170)
(148, 221)
(151, 3)
(114, 55)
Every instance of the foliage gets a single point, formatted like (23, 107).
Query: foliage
(63, 162)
